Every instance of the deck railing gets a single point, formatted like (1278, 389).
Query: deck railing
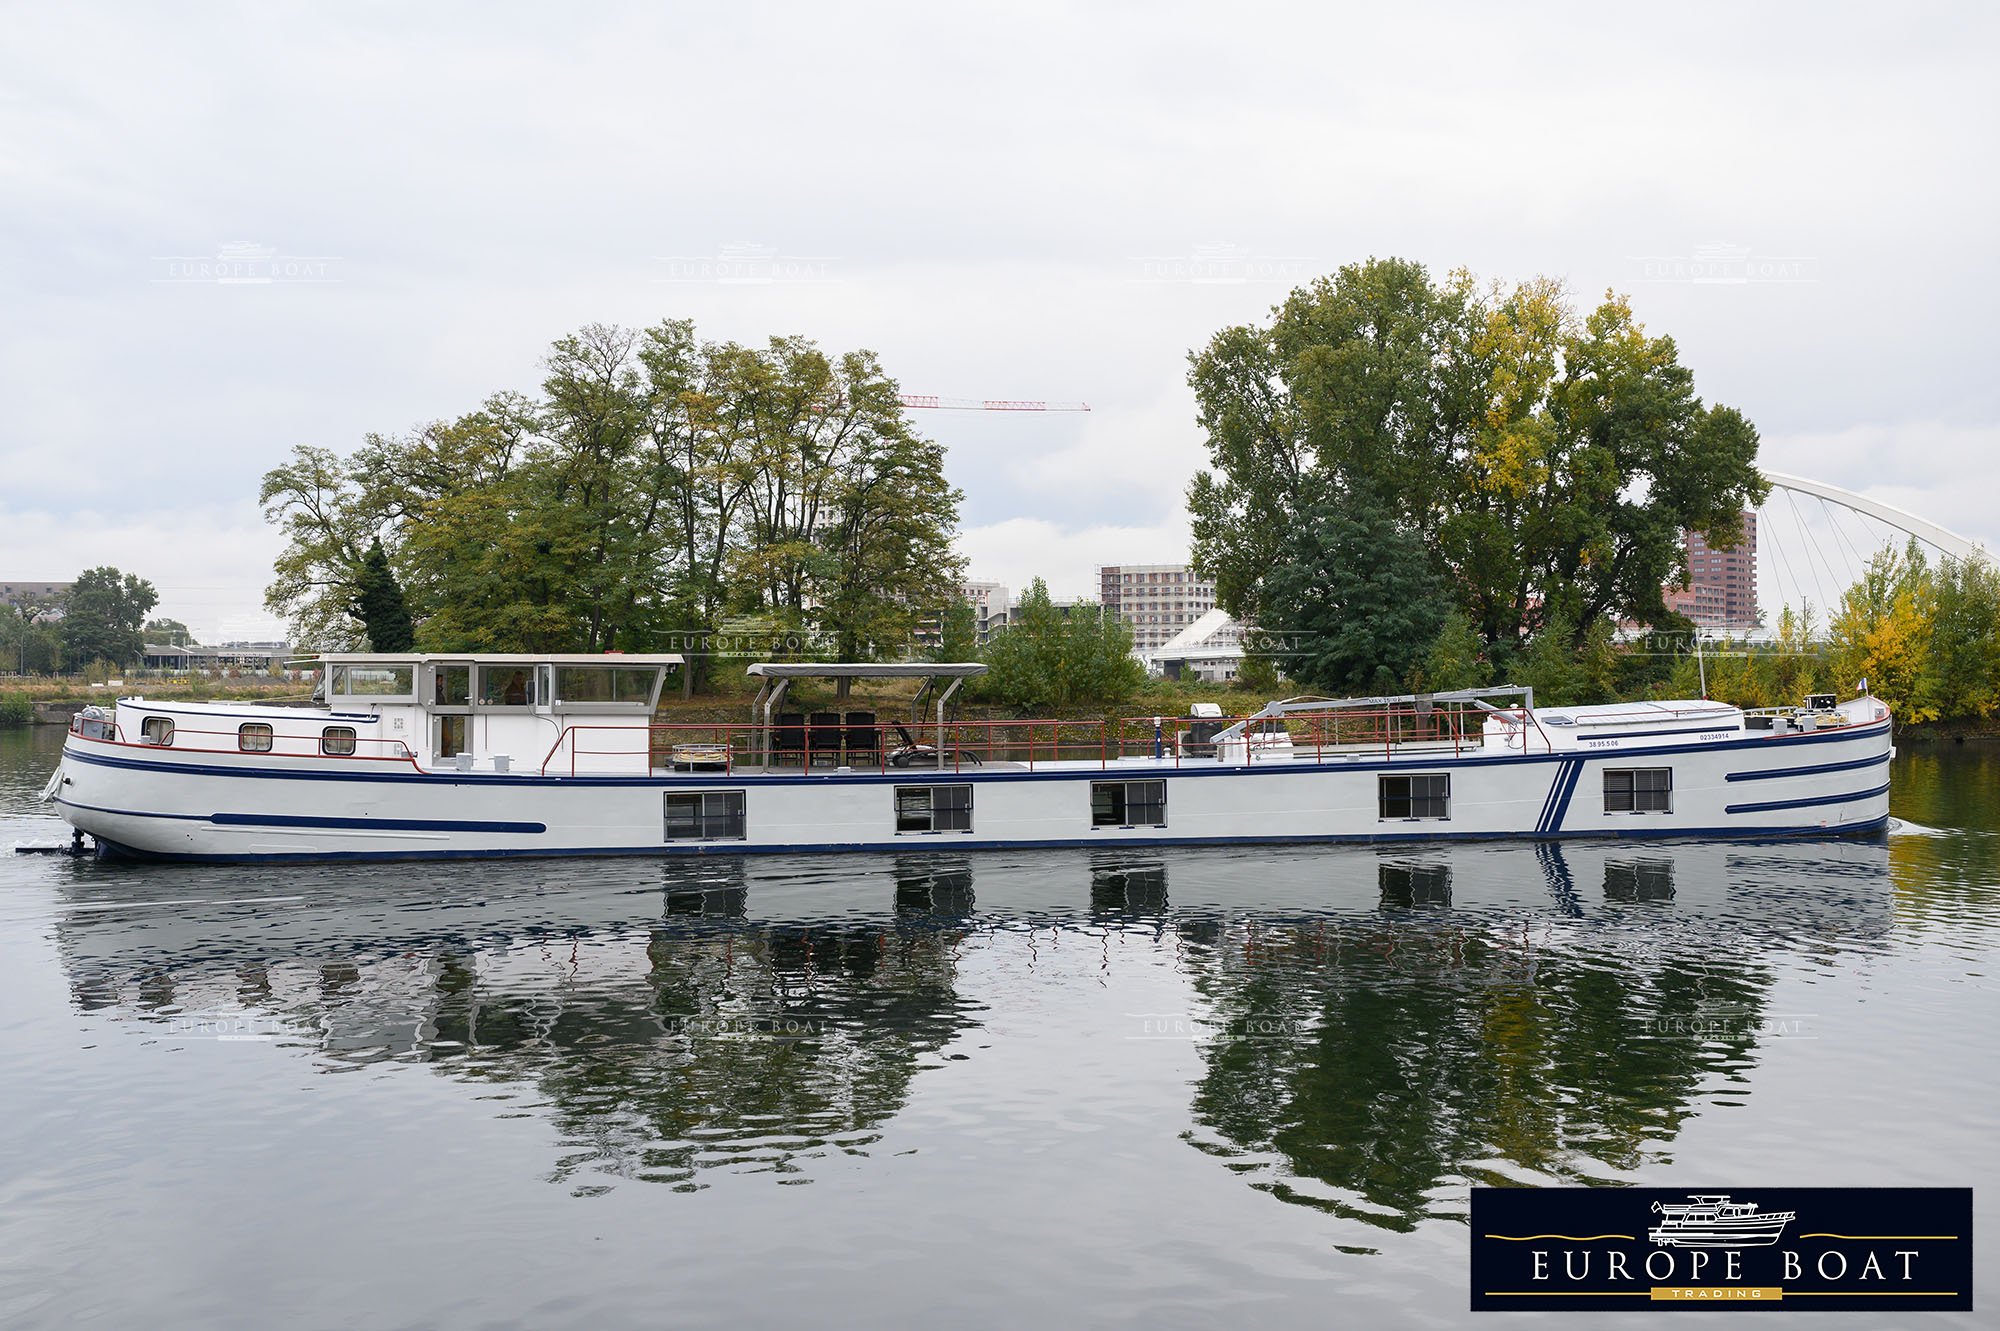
(1031, 743)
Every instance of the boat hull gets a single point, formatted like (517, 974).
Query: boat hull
(186, 804)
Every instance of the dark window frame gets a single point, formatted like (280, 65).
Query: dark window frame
(1413, 797)
(244, 737)
(330, 734)
(953, 814)
(1112, 803)
(1638, 790)
(157, 731)
(716, 815)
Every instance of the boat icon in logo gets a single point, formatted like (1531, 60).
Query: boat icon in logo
(1711, 1220)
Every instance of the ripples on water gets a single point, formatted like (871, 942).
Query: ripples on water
(1360, 1033)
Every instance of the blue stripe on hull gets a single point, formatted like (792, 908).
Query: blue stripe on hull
(1777, 772)
(112, 849)
(1810, 802)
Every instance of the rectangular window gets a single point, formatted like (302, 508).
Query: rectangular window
(337, 741)
(157, 730)
(454, 686)
(450, 736)
(933, 808)
(507, 686)
(1639, 790)
(604, 684)
(1424, 796)
(705, 815)
(1128, 804)
(380, 681)
(253, 737)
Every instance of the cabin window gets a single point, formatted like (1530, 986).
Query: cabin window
(337, 741)
(450, 736)
(253, 737)
(507, 686)
(383, 681)
(1639, 790)
(933, 808)
(1128, 804)
(453, 687)
(157, 730)
(603, 684)
(1424, 796)
(705, 815)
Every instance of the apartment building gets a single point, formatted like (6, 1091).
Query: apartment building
(1722, 584)
(1156, 600)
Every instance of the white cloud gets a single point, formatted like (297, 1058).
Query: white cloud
(1019, 550)
(488, 180)
(209, 566)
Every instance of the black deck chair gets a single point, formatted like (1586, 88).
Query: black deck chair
(916, 753)
(862, 736)
(788, 737)
(823, 737)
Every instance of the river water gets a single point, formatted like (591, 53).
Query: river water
(1187, 1088)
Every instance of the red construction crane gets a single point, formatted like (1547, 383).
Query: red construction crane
(930, 402)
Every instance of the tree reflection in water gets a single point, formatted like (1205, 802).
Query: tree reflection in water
(658, 1049)
(1373, 1067)
(1381, 1028)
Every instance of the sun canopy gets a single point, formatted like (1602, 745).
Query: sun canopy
(867, 669)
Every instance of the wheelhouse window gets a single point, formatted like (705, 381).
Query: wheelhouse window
(934, 808)
(377, 681)
(705, 815)
(615, 684)
(1128, 804)
(253, 737)
(337, 741)
(507, 686)
(1425, 795)
(450, 736)
(1639, 790)
(452, 686)
(157, 730)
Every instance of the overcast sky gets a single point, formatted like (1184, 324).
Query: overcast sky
(1020, 201)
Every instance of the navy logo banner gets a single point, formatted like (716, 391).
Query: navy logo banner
(1884, 1249)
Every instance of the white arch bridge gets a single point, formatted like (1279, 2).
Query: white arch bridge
(1815, 540)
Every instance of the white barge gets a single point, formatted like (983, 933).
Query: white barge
(417, 756)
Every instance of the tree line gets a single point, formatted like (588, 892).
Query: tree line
(100, 619)
(657, 490)
(1403, 467)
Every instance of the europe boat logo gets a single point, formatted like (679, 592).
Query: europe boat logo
(1629, 1248)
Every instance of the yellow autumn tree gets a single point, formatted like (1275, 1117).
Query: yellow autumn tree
(1882, 632)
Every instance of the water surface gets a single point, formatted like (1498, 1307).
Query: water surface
(1186, 1088)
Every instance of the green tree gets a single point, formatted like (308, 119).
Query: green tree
(1361, 602)
(378, 604)
(655, 488)
(1547, 462)
(102, 615)
(958, 632)
(1049, 660)
(1882, 633)
(169, 631)
(1456, 659)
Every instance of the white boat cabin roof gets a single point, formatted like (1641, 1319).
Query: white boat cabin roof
(502, 658)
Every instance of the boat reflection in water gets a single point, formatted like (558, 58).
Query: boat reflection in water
(1376, 1029)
